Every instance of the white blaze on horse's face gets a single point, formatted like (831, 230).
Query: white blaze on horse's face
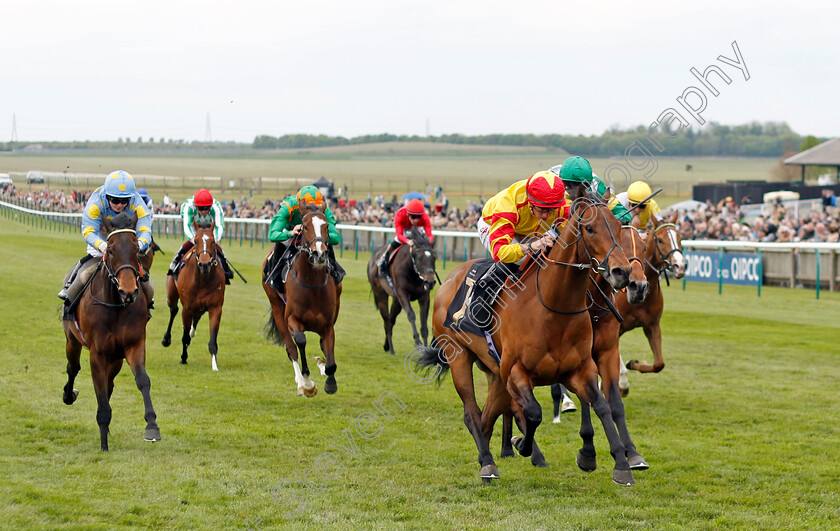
(204, 238)
(317, 223)
(677, 259)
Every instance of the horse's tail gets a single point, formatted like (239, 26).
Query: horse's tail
(432, 358)
(271, 332)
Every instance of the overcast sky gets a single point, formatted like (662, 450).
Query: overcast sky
(99, 70)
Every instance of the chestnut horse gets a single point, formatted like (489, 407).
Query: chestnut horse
(413, 275)
(311, 301)
(663, 255)
(543, 337)
(605, 328)
(110, 322)
(200, 287)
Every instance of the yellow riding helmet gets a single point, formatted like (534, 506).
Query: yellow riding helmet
(638, 192)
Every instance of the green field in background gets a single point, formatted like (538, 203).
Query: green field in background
(740, 429)
(465, 172)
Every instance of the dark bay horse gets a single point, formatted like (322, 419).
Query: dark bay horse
(311, 301)
(663, 255)
(412, 272)
(605, 353)
(544, 335)
(111, 324)
(200, 287)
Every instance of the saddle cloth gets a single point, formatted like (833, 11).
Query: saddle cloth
(476, 319)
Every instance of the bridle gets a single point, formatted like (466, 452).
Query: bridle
(430, 249)
(112, 274)
(593, 264)
(304, 245)
(213, 260)
(663, 257)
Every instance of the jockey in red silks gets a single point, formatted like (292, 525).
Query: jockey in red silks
(408, 218)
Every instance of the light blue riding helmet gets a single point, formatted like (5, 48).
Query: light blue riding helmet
(120, 184)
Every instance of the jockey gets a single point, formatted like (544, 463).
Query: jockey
(202, 208)
(576, 170)
(637, 199)
(410, 217)
(149, 203)
(287, 223)
(118, 193)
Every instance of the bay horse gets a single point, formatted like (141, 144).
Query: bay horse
(311, 301)
(663, 255)
(543, 336)
(200, 288)
(605, 353)
(110, 322)
(412, 272)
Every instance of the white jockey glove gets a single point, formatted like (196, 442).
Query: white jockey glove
(103, 247)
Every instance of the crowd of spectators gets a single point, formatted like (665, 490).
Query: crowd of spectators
(725, 220)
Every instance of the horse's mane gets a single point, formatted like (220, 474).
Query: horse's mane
(205, 225)
(420, 238)
(307, 208)
(123, 220)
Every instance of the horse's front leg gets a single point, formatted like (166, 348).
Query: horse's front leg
(328, 348)
(405, 302)
(99, 372)
(189, 331)
(136, 357)
(521, 390)
(72, 350)
(654, 337)
(171, 301)
(306, 386)
(424, 317)
(215, 319)
(382, 304)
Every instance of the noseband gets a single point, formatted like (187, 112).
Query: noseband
(112, 274)
(213, 259)
(663, 257)
(306, 245)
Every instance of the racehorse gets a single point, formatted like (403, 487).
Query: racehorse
(200, 287)
(663, 255)
(412, 273)
(543, 336)
(605, 330)
(311, 302)
(110, 321)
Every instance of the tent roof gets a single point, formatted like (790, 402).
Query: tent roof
(825, 154)
(323, 181)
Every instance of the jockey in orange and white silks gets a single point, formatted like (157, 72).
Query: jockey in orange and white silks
(524, 209)
(117, 194)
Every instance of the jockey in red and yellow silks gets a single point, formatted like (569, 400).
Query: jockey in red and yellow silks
(523, 209)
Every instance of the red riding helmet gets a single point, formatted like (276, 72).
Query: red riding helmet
(545, 190)
(203, 198)
(415, 207)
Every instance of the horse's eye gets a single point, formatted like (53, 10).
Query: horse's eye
(589, 229)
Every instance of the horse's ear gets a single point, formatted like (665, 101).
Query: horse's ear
(195, 225)
(606, 197)
(107, 225)
(212, 225)
(323, 207)
(675, 218)
(581, 190)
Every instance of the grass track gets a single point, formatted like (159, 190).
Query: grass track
(740, 429)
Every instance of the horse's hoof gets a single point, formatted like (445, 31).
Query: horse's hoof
(637, 462)
(330, 387)
(309, 393)
(630, 364)
(623, 478)
(517, 443)
(183, 361)
(69, 400)
(586, 463)
(322, 366)
(489, 473)
(165, 342)
(152, 435)
(624, 392)
(556, 420)
(538, 460)
(386, 347)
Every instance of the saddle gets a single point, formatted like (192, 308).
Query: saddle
(69, 307)
(181, 263)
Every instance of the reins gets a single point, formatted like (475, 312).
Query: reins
(112, 275)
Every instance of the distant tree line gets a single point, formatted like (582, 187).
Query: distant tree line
(769, 139)
(123, 144)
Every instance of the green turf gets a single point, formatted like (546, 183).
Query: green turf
(740, 429)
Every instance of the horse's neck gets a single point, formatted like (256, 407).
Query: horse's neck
(303, 269)
(652, 261)
(564, 286)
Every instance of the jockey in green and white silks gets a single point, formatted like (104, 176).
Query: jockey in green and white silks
(286, 224)
(202, 209)
(117, 194)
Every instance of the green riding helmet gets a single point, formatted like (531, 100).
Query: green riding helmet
(574, 170)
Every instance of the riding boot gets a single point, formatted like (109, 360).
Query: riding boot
(83, 274)
(149, 291)
(176, 260)
(382, 261)
(226, 267)
(491, 283)
(274, 267)
(71, 276)
(336, 270)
